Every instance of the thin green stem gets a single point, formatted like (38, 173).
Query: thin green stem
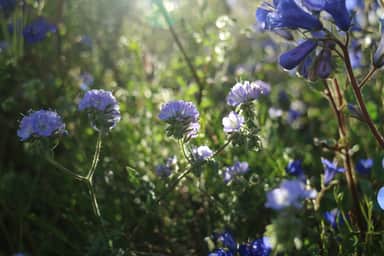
(65, 170)
(191, 67)
(92, 194)
(96, 156)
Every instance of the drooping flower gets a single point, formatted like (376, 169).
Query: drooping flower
(182, 117)
(364, 166)
(246, 91)
(233, 122)
(339, 13)
(201, 153)
(290, 193)
(378, 57)
(37, 30)
(237, 169)
(323, 64)
(41, 123)
(295, 56)
(283, 14)
(102, 108)
(330, 170)
(294, 168)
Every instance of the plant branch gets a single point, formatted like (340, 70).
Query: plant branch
(367, 77)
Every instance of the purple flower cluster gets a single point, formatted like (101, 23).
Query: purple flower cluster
(290, 193)
(182, 117)
(102, 107)
(37, 30)
(201, 153)
(41, 123)
(258, 247)
(246, 91)
(237, 169)
(164, 170)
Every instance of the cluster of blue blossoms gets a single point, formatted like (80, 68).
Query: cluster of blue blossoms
(258, 247)
(101, 105)
(238, 168)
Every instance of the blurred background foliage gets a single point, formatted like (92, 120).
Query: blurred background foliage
(127, 47)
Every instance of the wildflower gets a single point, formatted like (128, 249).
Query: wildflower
(86, 80)
(334, 218)
(275, 113)
(103, 109)
(220, 252)
(355, 54)
(228, 241)
(294, 168)
(7, 7)
(37, 30)
(286, 14)
(364, 166)
(201, 153)
(41, 123)
(182, 118)
(305, 66)
(258, 247)
(323, 65)
(246, 91)
(295, 56)
(290, 193)
(338, 10)
(380, 198)
(378, 57)
(330, 170)
(233, 122)
(237, 169)
(164, 170)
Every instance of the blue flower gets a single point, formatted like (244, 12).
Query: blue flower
(323, 65)
(164, 170)
(290, 193)
(182, 118)
(237, 169)
(305, 67)
(246, 91)
(378, 57)
(233, 122)
(330, 170)
(228, 241)
(41, 123)
(294, 168)
(201, 153)
(380, 198)
(355, 54)
(37, 30)
(334, 218)
(293, 57)
(7, 7)
(364, 166)
(220, 252)
(103, 109)
(86, 80)
(339, 13)
(261, 247)
(286, 14)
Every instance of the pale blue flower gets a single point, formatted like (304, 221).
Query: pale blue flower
(233, 122)
(243, 92)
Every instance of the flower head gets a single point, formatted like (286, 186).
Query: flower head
(164, 170)
(339, 13)
(237, 169)
(102, 107)
(294, 168)
(233, 122)
(246, 91)
(295, 56)
(323, 64)
(380, 198)
(37, 30)
(290, 193)
(41, 123)
(333, 217)
(183, 118)
(282, 14)
(364, 166)
(228, 241)
(330, 170)
(201, 153)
